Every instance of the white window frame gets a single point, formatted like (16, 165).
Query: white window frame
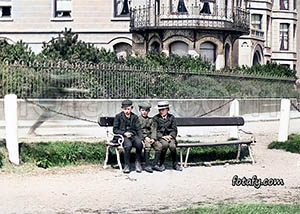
(285, 34)
(255, 23)
(55, 17)
(6, 3)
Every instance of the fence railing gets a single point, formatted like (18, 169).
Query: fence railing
(234, 19)
(64, 80)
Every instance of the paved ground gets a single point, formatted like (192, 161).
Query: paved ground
(90, 189)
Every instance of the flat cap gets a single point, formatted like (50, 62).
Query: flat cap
(145, 106)
(126, 103)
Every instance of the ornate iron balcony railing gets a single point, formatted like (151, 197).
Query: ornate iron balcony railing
(234, 19)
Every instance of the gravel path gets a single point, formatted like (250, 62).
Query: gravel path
(90, 189)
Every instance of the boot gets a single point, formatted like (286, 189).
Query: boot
(162, 160)
(174, 160)
(155, 162)
(138, 166)
(127, 162)
(147, 162)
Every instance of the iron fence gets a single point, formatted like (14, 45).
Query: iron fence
(148, 17)
(80, 80)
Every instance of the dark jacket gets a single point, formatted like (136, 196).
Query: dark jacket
(120, 127)
(163, 127)
(146, 125)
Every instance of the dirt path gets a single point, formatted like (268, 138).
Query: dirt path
(90, 189)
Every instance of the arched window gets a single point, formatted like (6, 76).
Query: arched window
(256, 58)
(179, 48)
(227, 55)
(155, 47)
(123, 49)
(208, 51)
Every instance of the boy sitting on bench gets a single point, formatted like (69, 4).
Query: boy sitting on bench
(165, 131)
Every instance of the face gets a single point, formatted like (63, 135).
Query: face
(144, 112)
(127, 110)
(163, 112)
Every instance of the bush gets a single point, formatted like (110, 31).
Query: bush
(1, 159)
(291, 145)
(21, 80)
(62, 153)
(271, 69)
(16, 52)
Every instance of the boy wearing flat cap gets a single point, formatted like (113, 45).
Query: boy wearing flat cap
(126, 123)
(146, 125)
(165, 131)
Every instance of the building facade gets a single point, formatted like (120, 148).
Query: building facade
(273, 31)
(225, 32)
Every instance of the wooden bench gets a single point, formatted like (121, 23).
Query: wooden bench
(185, 122)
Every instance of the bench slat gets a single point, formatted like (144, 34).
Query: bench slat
(224, 143)
(191, 121)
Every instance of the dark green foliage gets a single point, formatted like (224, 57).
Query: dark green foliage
(271, 69)
(220, 153)
(16, 52)
(67, 47)
(62, 153)
(246, 208)
(23, 81)
(1, 159)
(291, 145)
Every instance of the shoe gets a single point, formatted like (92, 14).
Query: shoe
(126, 169)
(159, 168)
(148, 169)
(138, 167)
(162, 167)
(177, 167)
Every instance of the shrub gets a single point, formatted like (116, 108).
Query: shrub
(271, 69)
(1, 159)
(21, 80)
(62, 153)
(16, 52)
(291, 145)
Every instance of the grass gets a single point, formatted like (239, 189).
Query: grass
(256, 208)
(64, 153)
(291, 145)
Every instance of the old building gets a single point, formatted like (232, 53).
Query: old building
(225, 32)
(272, 35)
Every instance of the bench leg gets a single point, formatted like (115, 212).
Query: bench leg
(118, 158)
(239, 152)
(187, 156)
(250, 153)
(181, 158)
(106, 157)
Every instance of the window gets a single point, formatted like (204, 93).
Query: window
(5, 9)
(122, 8)
(179, 48)
(256, 21)
(256, 58)
(284, 36)
(62, 8)
(284, 4)
(208, 51)
(123, 50)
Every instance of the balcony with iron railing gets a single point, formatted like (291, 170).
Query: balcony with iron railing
(150, 18)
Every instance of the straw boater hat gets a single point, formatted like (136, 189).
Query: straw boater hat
(163, 105)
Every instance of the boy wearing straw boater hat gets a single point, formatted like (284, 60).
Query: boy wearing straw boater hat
(165, 131)
(146, 125)
(127, 124)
